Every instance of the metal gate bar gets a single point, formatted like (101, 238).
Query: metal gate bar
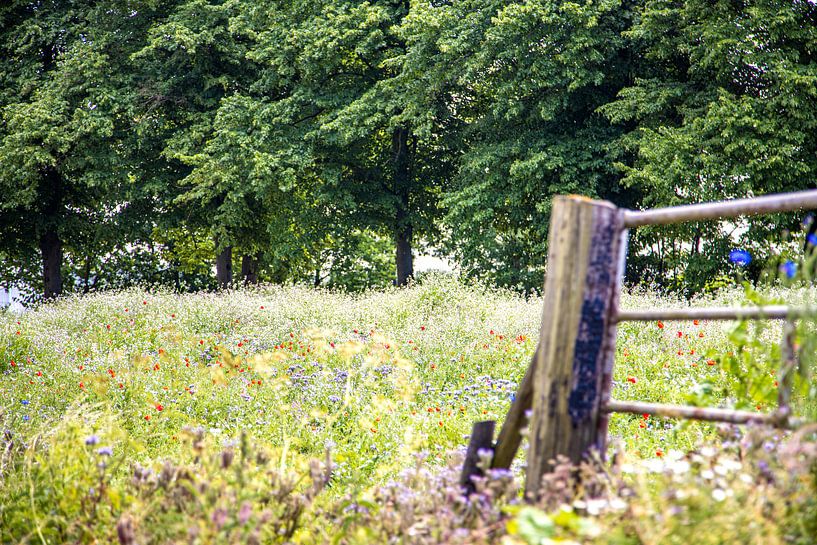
(784, 202)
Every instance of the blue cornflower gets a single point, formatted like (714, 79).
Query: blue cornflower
(808, 220)
(24, 401)
(105, 451)
(25, 418)
(789, 268)
(812, 239)
(740, 257)
(91, 440)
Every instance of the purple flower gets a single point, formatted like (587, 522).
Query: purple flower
(219, 517)
(25, 418)
(789, 268)
(245, 512)
(91, 440)
(740, 257)
(24, 401)
(105, 451)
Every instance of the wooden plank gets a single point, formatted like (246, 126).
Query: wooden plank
(510, 437)
(782, 202)
(768, 312)
(580, 287)
(482, 438)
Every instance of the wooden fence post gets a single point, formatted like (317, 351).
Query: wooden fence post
(577, 340)
(482, 438)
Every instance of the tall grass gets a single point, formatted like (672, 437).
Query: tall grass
(277, 377)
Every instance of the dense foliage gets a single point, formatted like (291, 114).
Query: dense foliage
(328, 141)
(293, 415)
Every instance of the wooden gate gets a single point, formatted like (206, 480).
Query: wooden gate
(567, 384)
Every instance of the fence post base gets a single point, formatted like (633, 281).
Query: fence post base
(482, 438)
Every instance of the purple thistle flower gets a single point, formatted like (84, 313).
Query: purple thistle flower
(91, 440)
(105, 451)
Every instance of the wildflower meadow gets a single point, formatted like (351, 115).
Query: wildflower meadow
(295, 415)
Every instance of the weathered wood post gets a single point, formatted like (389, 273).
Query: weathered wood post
(482, 438)
(573, 368)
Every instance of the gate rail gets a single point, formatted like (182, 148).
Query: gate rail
(567, 384)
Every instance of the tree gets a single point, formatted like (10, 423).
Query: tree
(524, 81)
(65, 91)
(191, 61)
(723, 104)
(333, 119)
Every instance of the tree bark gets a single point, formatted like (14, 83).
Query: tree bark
(402, 185)
(51, 250)
(249, 269)
(404, 257)
(86, 275)
(224, 266)
(51, 196)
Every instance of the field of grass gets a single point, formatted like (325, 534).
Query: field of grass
(295, 415)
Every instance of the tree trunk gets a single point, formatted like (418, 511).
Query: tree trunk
(86, 275)
(402, 187)
(224, 267)
(405, 259)
(51, 249)
(51, 197)
(249, 269)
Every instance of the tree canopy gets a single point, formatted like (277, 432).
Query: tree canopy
(174, 141)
